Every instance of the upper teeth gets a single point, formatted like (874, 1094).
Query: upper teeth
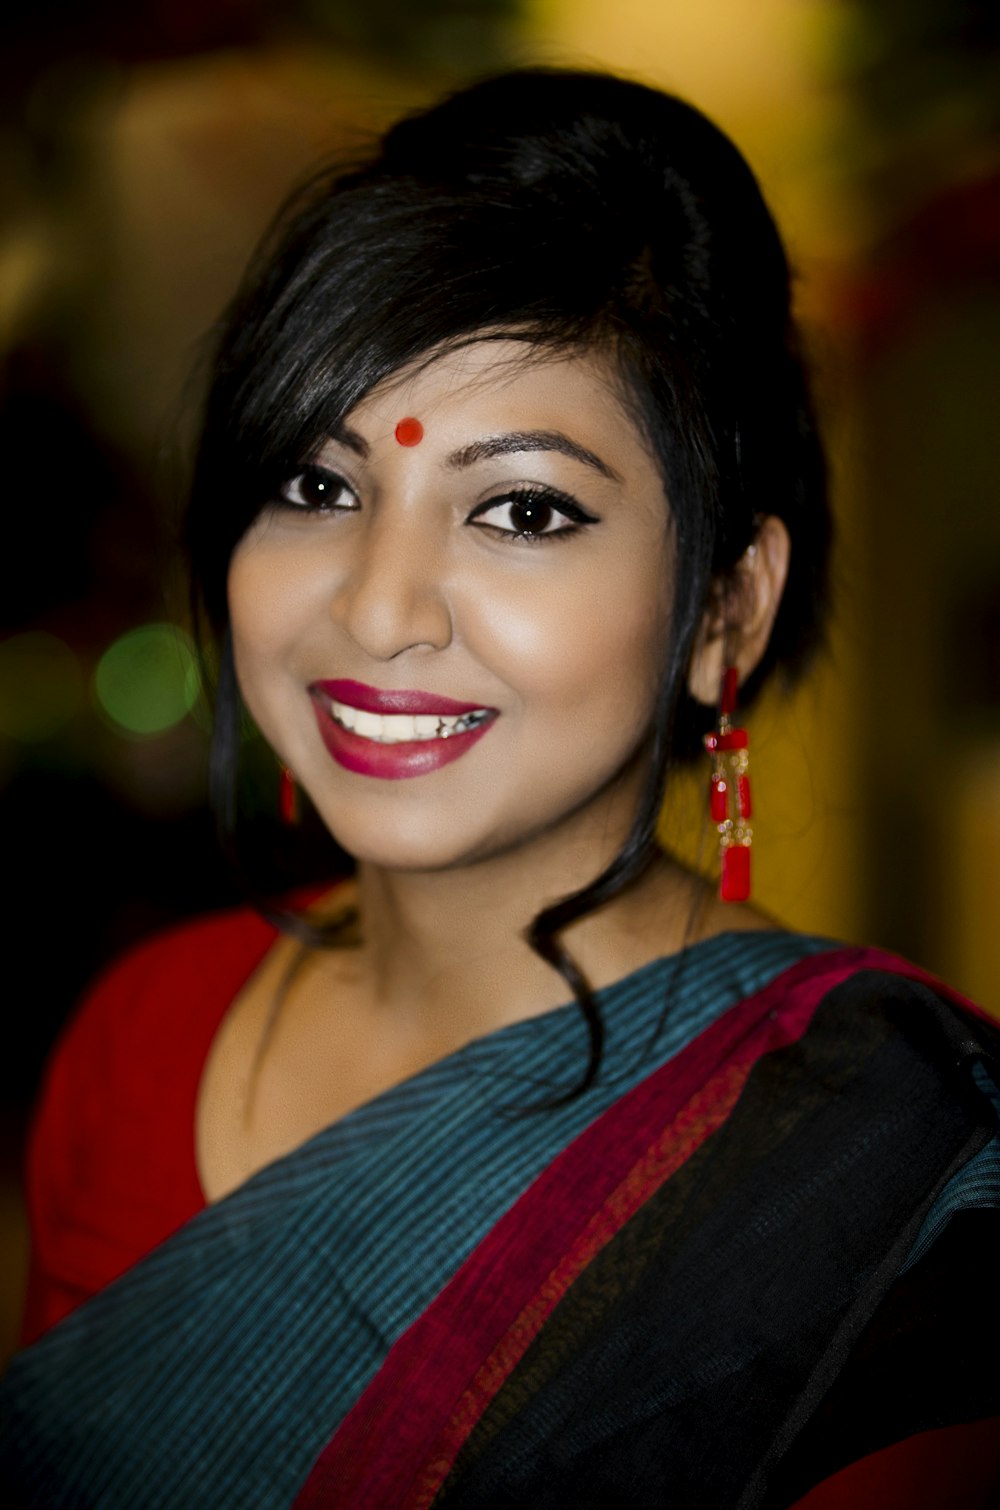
(398, 728)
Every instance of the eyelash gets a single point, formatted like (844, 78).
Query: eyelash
(544, 497)
(324, 478)
(548, 498)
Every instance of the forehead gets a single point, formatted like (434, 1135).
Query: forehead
(496, 384)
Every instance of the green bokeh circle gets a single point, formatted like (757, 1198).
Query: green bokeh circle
(147, 680)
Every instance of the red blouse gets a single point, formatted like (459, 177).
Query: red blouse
(111, 1162)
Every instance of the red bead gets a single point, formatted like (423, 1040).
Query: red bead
(719, 800)
(734, 882)
(743, 796)
(409, 432)
(729, 739)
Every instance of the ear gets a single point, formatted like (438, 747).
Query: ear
(738, 622)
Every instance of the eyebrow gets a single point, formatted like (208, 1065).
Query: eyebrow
(352, 440)
(507, 444)
(529, 440)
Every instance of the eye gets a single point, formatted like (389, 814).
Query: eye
(315, 490)
(531, 514)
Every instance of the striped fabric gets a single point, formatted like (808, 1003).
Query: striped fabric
(976, 1187)
(661, 1314)
(213, 1372)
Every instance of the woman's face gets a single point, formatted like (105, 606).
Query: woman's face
(452, 631)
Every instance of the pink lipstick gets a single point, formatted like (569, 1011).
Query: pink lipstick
(395, 734)
(375, 700)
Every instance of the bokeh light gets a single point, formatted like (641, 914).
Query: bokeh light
(41, 686)
(147, 680)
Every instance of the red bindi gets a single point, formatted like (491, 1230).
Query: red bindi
(409, 432)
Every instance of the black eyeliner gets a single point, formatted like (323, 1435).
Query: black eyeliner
(561, 503)
(338, 485)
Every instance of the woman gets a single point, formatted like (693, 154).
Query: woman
(525, 1171)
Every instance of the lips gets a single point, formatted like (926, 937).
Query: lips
(375, 700)
(395, 734)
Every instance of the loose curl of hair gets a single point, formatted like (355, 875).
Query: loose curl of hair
(570, 211)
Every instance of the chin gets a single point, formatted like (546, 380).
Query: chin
(407, 843)
(422, 838)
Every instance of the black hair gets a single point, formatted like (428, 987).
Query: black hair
(568, 210)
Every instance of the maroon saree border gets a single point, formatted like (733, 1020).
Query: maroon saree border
(396, 1446)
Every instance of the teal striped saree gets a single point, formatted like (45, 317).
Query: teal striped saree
(686, 1278)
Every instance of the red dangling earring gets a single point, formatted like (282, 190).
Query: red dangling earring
(729, 798)
(288, 797)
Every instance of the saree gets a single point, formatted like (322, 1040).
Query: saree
(709, 1281)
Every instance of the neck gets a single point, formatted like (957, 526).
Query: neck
(449, 947)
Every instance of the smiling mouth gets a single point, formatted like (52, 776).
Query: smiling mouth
(404, 728)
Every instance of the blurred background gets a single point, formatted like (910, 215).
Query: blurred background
(144, 147)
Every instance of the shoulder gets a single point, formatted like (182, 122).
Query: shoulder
(172, 988)
(110, 1167)
(887, 1024)
(881, 1043)
(861, 978)
(158, 1001)
(201, 954)
(203, 949)
(160, 992)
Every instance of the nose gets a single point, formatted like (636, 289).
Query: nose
(392, 595)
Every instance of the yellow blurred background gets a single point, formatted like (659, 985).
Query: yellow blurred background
(144, 148)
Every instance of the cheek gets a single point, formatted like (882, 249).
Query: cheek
(597, 644)
(268, 598)
(271, 591)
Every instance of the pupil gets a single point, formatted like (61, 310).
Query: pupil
(315, 488)
(530, 516)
